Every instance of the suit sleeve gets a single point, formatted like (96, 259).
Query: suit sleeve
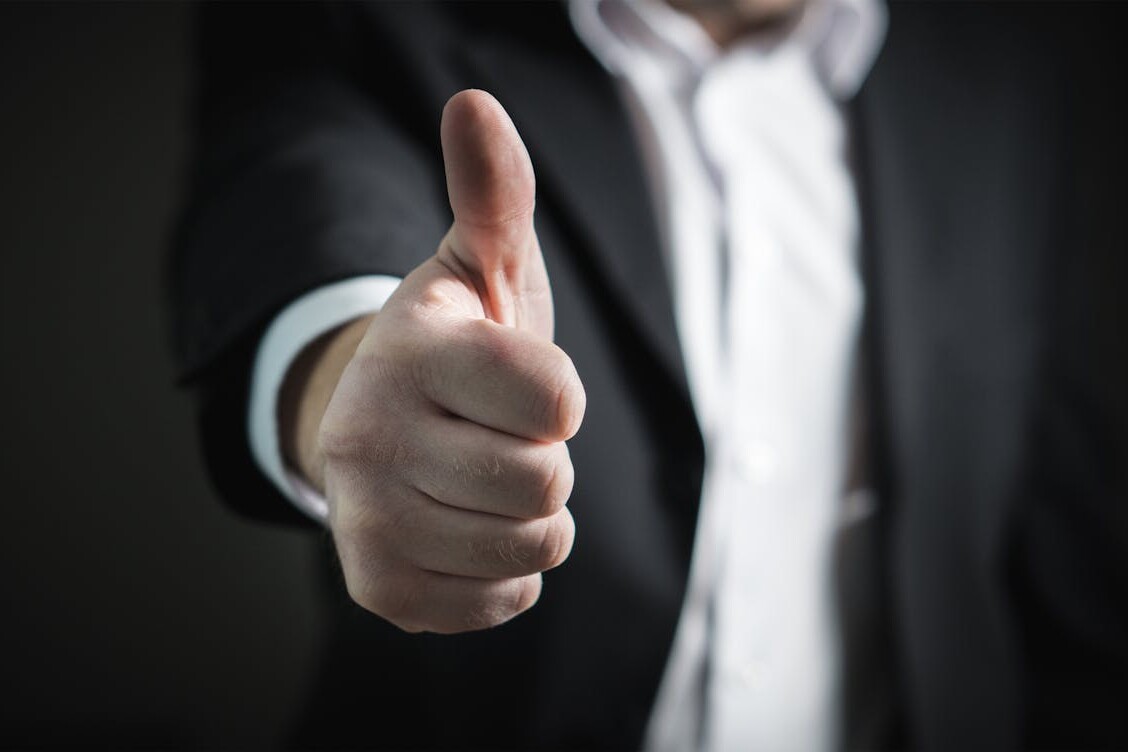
(307, 168)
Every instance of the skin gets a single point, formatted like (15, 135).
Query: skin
(436, 427)
(440, 447)
(728, 21)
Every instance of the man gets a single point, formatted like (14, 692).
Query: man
(697, 258)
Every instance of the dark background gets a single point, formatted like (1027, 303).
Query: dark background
(133, 608)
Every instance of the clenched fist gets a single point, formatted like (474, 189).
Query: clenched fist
(441, 449)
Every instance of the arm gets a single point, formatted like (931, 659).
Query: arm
(301, 176)
(439, 442)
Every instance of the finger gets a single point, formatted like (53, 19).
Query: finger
(465, 465)
(492, 191)
(441, 538)
(447, 604)
(489, 175)
(503, 378)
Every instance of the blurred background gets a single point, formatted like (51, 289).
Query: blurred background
(135, 610)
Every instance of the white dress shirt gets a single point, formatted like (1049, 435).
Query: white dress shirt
(745, 153)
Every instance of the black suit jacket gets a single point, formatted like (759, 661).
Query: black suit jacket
(989, 157)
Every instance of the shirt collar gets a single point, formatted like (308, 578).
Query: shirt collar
(843, 38)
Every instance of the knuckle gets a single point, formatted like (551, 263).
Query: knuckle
(495, 605)
(374, 574)
(528, 593)
(338, 437)
(571, 401)
(382, 379)
(555, 478)
(390, 460)
(367, 524)
(544, 405)
(485, 614)
(561, 400)
(372, 579)
(431, 299)
(556, 542)
(358, 418)
(396, 528)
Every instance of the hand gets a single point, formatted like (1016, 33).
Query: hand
(441, 450)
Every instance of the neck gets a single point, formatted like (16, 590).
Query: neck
(729, 21)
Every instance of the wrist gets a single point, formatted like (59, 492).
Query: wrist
(306, 390)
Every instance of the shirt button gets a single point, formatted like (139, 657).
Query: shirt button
(752, 674)
(759, 461)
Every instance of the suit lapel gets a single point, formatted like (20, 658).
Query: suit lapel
(954, 178)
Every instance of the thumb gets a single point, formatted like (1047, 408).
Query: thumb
(492, 192)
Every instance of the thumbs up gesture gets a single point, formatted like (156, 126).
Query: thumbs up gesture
(441, 450)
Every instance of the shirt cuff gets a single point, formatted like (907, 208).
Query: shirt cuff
(299, 324)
